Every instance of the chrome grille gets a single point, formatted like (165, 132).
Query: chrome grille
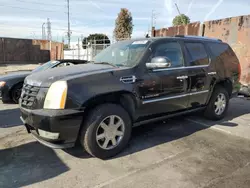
(28, 95)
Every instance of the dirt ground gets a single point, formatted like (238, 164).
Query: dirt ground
(187, 151)
(11, 68)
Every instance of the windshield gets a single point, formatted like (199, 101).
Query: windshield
(125, 53)
(45, 66)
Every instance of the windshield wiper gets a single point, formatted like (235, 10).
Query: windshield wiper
(105, 63)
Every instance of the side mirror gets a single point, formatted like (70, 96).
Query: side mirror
(159, 63)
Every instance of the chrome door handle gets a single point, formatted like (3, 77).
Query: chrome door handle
(181, 77)
(211, 73)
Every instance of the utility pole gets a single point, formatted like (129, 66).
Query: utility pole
(69, 32)
(183, 22)
(177, 9)
(153, 18)
(49, 35)
(78, 48)
(43, 32)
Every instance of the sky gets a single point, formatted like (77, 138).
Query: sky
(24, 18)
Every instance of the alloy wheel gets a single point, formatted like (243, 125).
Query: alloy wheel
(220, 104)
(110, 132)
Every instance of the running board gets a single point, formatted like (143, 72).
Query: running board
(167, 116)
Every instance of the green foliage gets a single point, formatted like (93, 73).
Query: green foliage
(123, 25)
(97, 38)
(181, 20)
(65, 46)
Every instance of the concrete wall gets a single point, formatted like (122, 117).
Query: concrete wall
(27, 51)
(235, 31)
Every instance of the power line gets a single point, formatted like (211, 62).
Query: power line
(31, 2)
(27, 8)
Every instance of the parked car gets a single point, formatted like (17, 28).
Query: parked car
(12, 83)
(128, 84)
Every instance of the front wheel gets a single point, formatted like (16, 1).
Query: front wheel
(218, 104)
(16, 93)
(106, 131)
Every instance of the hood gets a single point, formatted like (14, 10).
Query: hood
(46, 78)
(14, 75)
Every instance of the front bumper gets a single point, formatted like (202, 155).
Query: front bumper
(65, 122)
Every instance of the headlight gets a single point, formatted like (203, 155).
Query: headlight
(56, 96)
(2, 83)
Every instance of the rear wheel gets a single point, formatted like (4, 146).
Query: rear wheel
(106, 131)
(218, 104)
(16, 93)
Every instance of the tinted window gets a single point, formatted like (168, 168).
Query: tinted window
(224, 51)
(197, 54)
(217, 49)
(172, 50)
(225, 57)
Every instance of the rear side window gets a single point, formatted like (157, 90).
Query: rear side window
(223, 51)
(225, 58)
(197, 54)
(217, 49)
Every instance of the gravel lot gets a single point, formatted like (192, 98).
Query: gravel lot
(186, 151)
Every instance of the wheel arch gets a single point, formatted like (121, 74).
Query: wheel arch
(124, 98)
(13, 86)
(225, 83)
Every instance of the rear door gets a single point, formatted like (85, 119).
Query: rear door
(199, 70)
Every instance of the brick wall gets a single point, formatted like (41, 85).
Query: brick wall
(235, 31)
(27, 51)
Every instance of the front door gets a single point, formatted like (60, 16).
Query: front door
(173, 80)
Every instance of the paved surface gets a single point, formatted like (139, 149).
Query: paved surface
(187, 151)
(11, 68)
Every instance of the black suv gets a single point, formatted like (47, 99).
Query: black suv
(127, 84)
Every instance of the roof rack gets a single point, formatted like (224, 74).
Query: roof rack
(198, 37)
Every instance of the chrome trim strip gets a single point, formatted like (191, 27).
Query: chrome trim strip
(212, 73)
(173, 97)
(179, 68)
(181, 77)
(199, 92)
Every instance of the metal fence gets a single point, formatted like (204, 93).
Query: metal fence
(87, 51)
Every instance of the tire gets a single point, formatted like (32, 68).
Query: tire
(15, 93)
(211, 111)
(92, 129)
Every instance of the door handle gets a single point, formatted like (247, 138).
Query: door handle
(211, 73)
(181, 77)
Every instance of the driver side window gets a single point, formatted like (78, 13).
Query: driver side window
(171, 50)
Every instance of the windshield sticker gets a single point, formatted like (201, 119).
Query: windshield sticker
(140, 42)
(113, 53)
(121, 53)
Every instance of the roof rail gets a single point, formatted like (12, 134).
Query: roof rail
(198, 37)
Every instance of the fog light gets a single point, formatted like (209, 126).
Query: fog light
(48, 135)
